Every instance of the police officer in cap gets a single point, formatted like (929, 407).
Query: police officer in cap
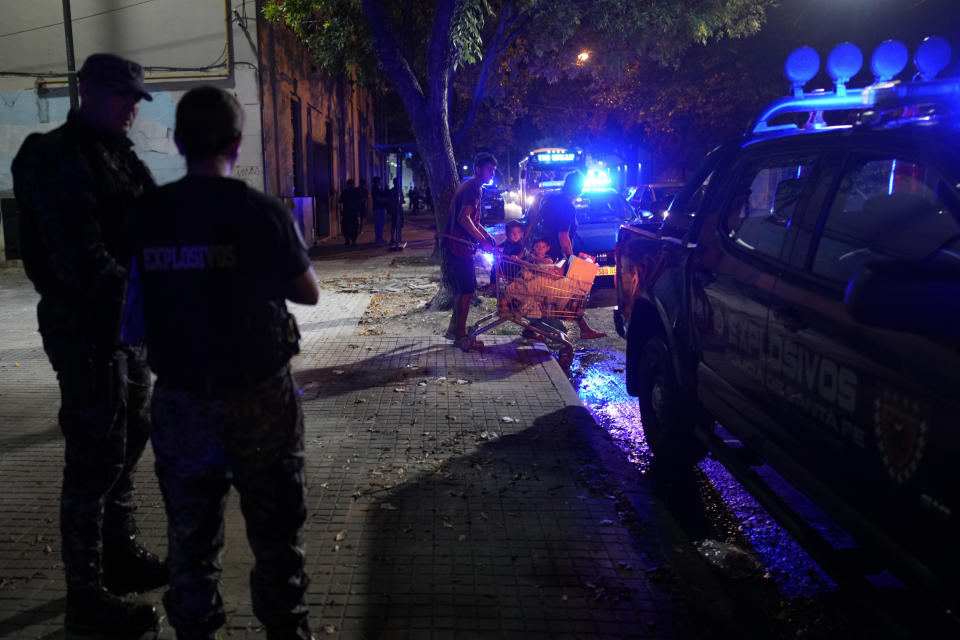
(217, 260)
(74, 186)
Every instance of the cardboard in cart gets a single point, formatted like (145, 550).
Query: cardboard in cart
(582, 270)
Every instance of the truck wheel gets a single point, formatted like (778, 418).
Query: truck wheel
(667, 413)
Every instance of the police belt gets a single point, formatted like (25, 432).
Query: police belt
(217, 383)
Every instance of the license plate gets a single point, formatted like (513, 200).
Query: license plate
(607, 271)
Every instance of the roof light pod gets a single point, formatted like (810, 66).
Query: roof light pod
(932, 56)
(888, 60)
(843, 63)
(801, 66)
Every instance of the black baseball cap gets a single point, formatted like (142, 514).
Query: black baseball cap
(113, 73)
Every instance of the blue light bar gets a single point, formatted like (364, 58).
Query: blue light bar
(886, 94)
(596, 181)
(882, 96)
(805, 104)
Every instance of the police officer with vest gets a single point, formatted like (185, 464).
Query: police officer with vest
(217, 261)
(74, 186)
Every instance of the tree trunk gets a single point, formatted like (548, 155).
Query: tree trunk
(433, 139)
(426, 106)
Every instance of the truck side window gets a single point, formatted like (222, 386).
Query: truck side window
(764, 200)
(886, 208)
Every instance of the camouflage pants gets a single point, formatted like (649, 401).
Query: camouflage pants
(104, 417)
(252, 438)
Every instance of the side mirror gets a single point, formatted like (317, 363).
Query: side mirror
(902, 295)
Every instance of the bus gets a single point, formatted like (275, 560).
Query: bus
(545, 169)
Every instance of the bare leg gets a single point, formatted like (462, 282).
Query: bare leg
(461, 307)
(586, 332)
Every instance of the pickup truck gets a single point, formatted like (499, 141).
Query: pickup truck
(803, 296)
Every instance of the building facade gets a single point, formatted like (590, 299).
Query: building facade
(305, 132)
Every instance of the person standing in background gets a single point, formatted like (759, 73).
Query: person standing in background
(381, 202)
(365, 209)
(351, 207)
(396, 217)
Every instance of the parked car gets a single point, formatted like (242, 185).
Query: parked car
(600, 213)
(651, 201)
(804, 293)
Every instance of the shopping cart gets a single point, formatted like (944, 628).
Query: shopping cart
(532, 296)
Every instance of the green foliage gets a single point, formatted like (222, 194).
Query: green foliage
(639, 49)
(338, 37)
(334, 32)
(467, 30)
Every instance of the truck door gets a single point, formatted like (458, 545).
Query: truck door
(734, 271)
(871, 412)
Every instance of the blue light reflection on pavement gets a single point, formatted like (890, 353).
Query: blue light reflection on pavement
(600, 382)
(602, 388)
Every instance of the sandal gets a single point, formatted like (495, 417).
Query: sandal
(450, 335)
(467, 343)
(592, 335)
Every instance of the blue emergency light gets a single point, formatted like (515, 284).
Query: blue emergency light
(596, 181)
(801, 66)
(888, 60)
(844, 62)
(933, 54)
(551, 184)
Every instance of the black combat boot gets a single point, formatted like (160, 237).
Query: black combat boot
(129, 568)
(94, 611)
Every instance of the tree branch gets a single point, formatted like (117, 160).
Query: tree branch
(390, 54)
(498, 44)
(440, 58)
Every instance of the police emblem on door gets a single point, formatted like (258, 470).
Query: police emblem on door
(901, 433)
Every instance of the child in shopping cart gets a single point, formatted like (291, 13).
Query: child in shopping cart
(511, 246)
(540, 255)
(540, 252)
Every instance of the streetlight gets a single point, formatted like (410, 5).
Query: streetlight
(582, 57)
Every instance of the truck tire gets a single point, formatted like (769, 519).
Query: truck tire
(667, 413)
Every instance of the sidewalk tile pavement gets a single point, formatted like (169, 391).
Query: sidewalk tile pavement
(451, 495)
